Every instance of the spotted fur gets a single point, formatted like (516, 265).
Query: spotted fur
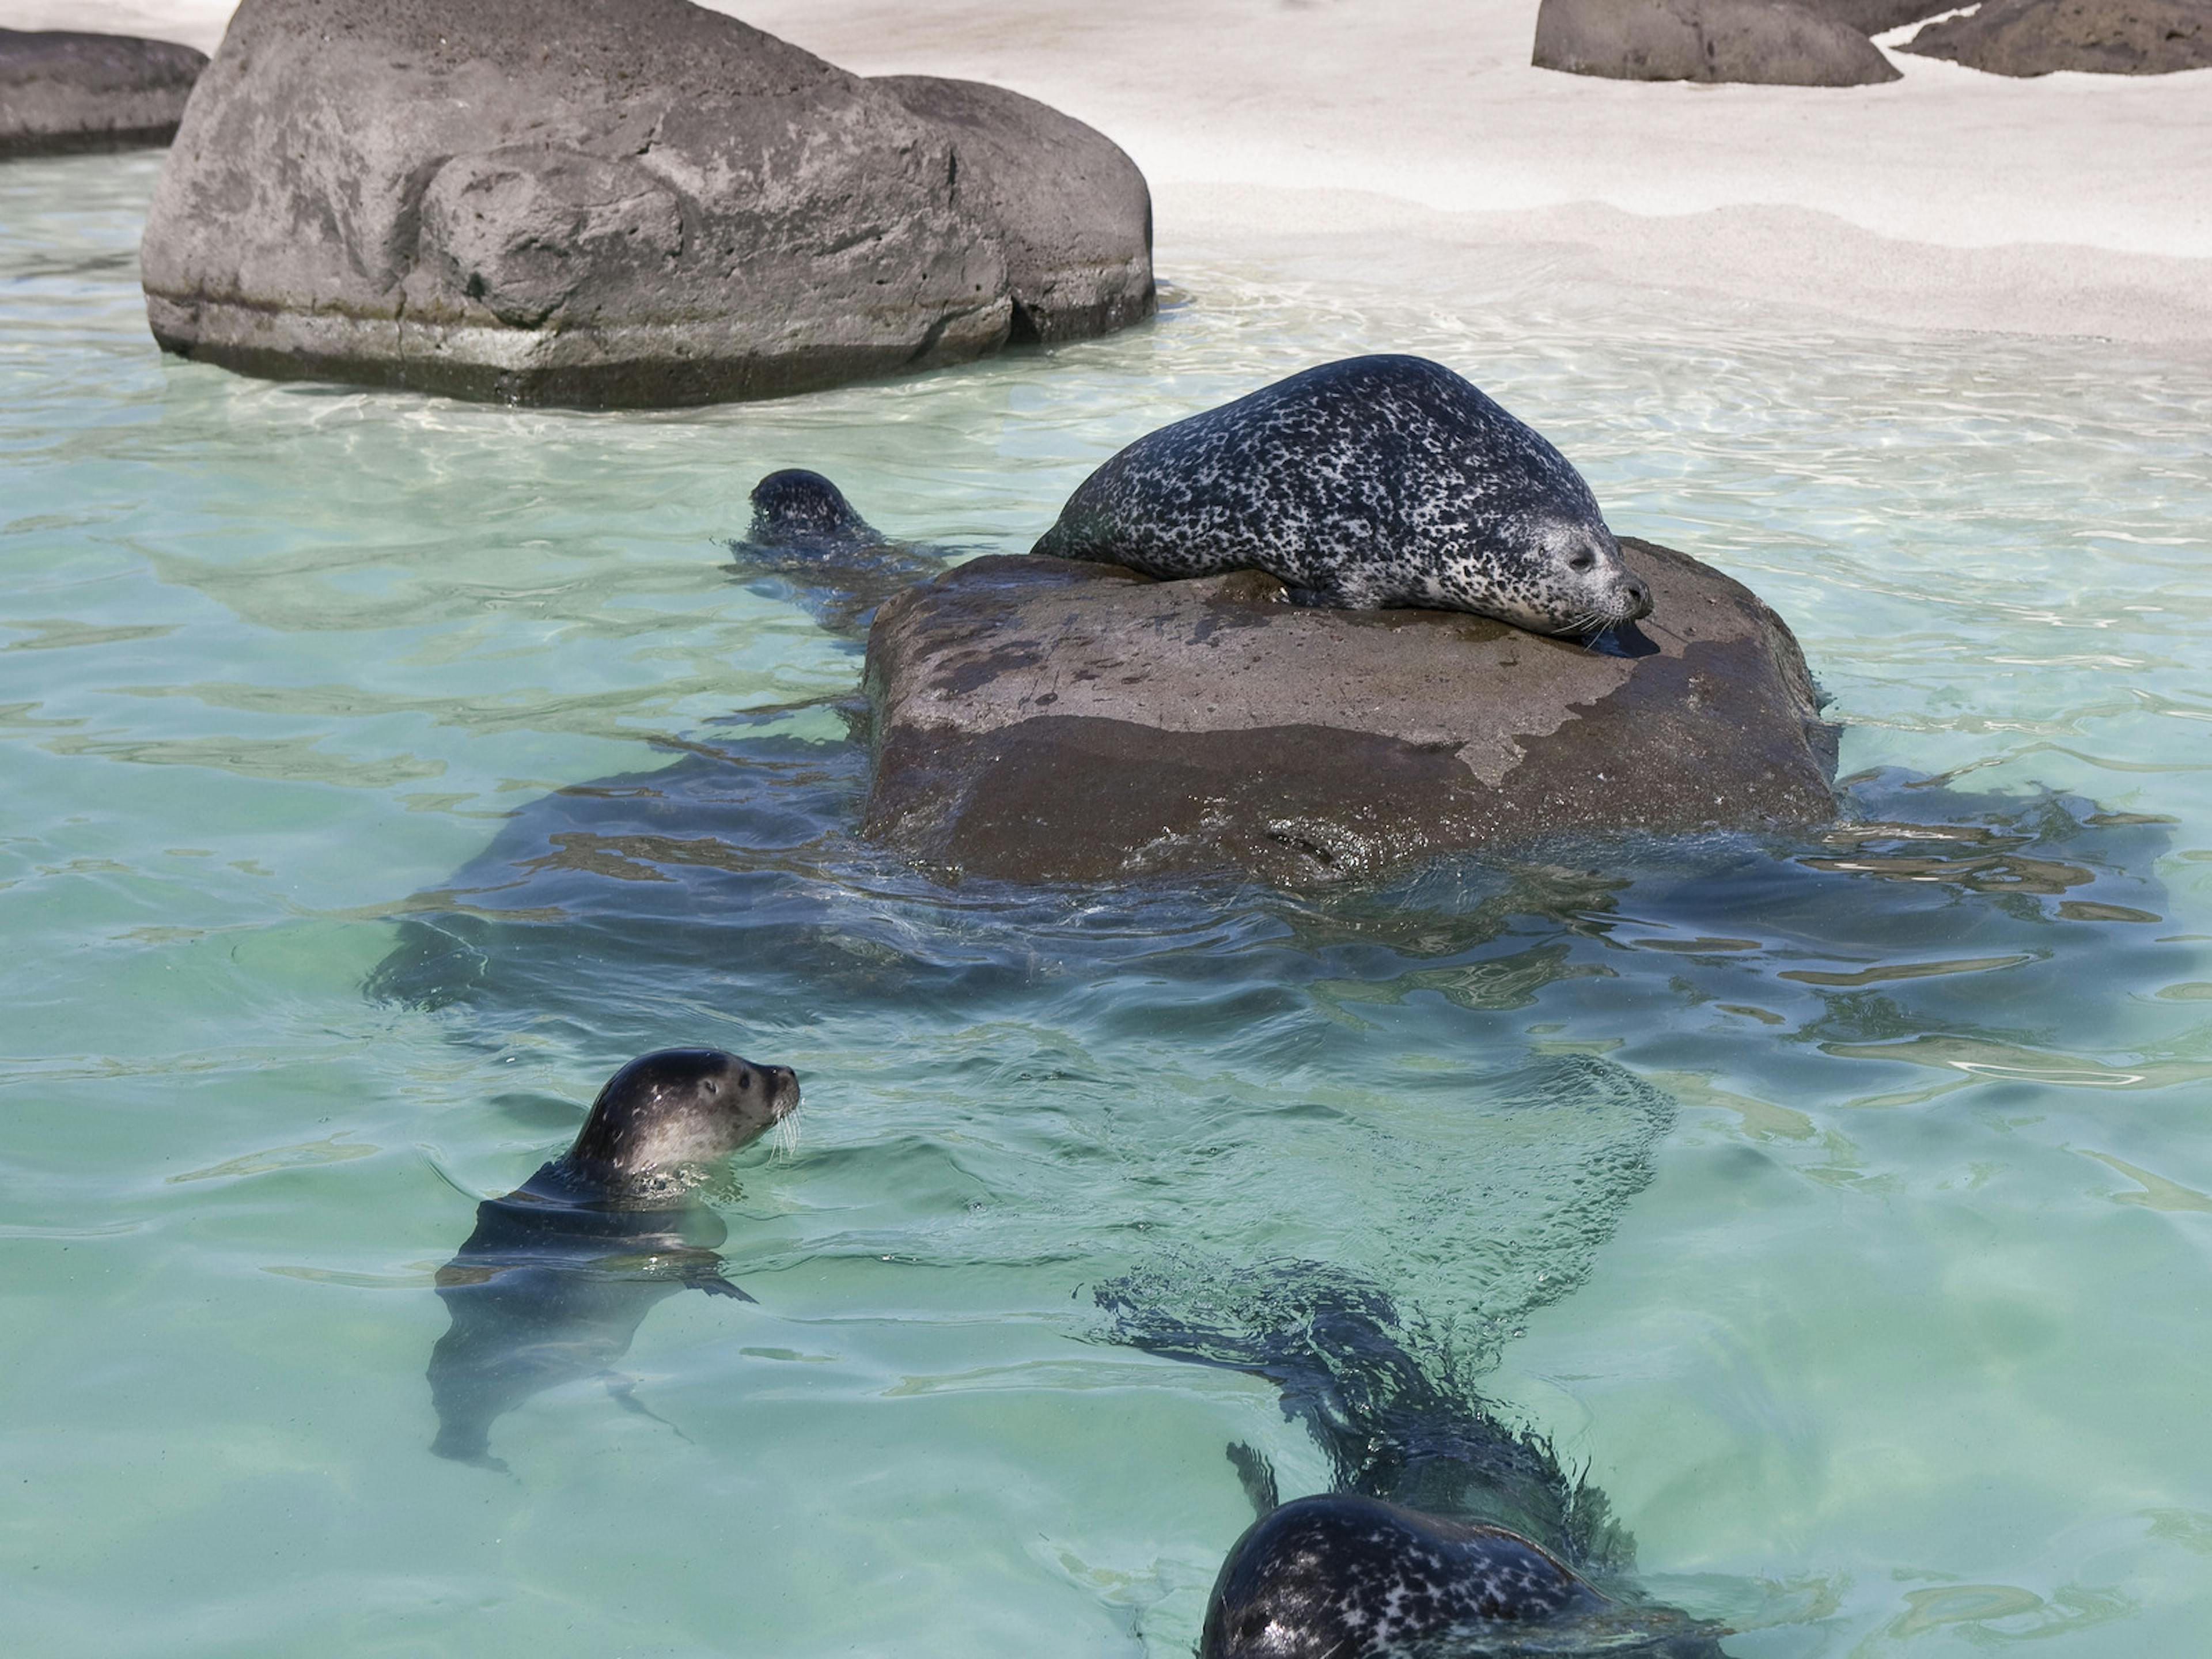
(1343, 1574)
(1362, 484)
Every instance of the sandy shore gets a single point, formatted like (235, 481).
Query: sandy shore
(1411, 139)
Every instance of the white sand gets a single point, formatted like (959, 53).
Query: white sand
(1411, 137)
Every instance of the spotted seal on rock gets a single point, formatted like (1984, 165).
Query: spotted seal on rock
(807, 543)
(1413, 1557)
(551, 1287)
(1363, 484)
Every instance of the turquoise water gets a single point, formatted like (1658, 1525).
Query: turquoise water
(1843, 1204)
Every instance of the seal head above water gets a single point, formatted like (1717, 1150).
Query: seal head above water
(1412, 1557)
(1371, 482)
(798, 508)
(807, 544)
(1340, 1574)
(552, 1284)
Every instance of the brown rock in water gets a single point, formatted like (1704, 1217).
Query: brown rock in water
(1770, 42)
(1038, 720)
(61, 92)
(607, 202)
(2103, 37)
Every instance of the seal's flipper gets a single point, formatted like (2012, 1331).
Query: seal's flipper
(1258, 1476)
(623, 1390)
(463, 1446)
(710, 1280)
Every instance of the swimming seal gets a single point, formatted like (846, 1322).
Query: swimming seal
(554, 1282)
(798, 508)
(1363, 485)
(807, 543)
(1411, 1560)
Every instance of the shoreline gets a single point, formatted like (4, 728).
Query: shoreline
(2071, 205)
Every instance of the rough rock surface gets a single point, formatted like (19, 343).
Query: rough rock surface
(570, 201)
(1878, 16)
(61, 91)
(1071, 210)
(1038, 719)
(2106, 36)
(1773, 42)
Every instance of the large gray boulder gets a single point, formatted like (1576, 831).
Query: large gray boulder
(613, 202)
(61, 91)
(2104, 36)
(1877, 16)
(1038, 719)
(1769, 41)
(1071, 210)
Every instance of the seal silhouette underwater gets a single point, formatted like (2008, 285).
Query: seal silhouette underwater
(552, 1284)
(1363, 485)
(1410, 1560)
(807, 543)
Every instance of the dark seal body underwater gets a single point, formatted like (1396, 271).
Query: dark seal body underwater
(551, 1287)
(1363, 484)
(1425, 1551)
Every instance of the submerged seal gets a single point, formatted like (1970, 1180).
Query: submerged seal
(1411, 1559)
(1363, 485)
(807, 543)
(554, 1282)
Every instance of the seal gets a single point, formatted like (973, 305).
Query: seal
(1363, 485)
(1403, 1563)
(552, 1284)
(807, 543)
(1344, 1575)
(796, 509)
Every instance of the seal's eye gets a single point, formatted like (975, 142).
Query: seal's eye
(1582, 559)
(745, 1079)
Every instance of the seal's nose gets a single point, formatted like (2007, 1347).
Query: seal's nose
(783, 1089)
(1639, 595)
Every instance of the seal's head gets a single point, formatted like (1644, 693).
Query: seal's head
(1586, 586)
(795, 508)
(679, 1107)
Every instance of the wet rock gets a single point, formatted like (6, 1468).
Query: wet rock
(2104, 36)
(1038, 719)
(561, 200)
(1773, 42)
(61, 91)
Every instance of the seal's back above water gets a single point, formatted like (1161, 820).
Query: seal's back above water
(1366, 483)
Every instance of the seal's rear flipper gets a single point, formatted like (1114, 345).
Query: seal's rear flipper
(623, 1390)
(462, 1447)
(1258, 1475)
(710, 1280)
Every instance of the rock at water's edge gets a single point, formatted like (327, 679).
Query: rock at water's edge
(2103, 37)
(570, 201)
(1074, 212)
(62, 92)
(1769, 42)
(1038, 720)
